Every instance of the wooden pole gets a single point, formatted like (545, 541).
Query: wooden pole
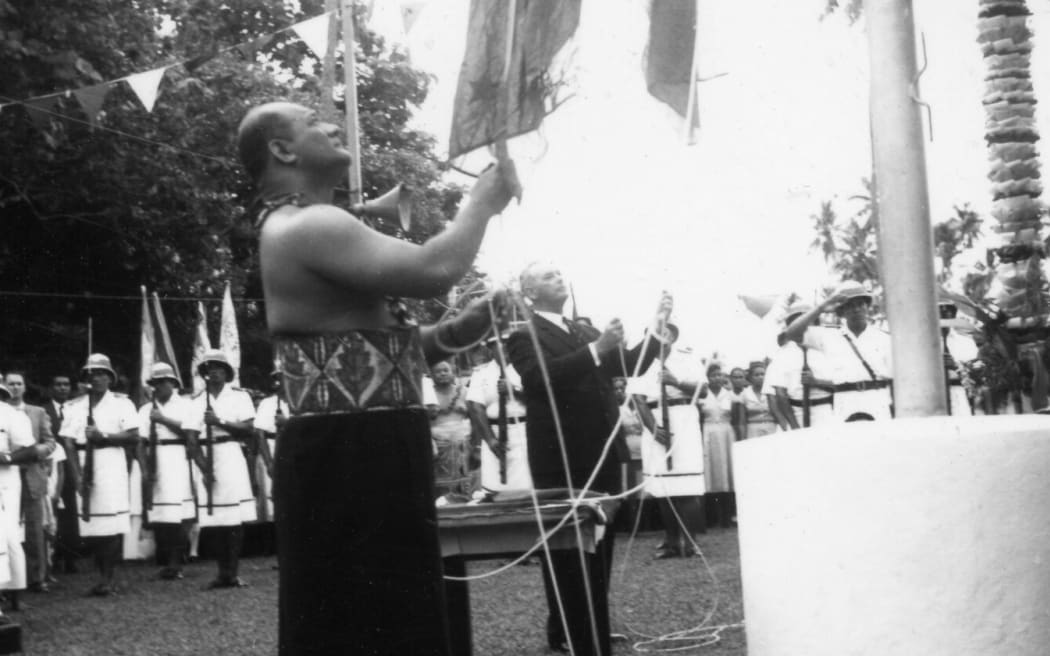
(905, 233)
(327, 102)
(352, 139)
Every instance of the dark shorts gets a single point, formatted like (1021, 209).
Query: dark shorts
(357, 542)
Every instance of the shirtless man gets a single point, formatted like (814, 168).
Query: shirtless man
(360, 564)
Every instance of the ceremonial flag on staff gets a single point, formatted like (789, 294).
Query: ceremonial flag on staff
(201, 343)
(163, 351)
(670, 60)
(147, 347)
(229, 339)
(496, 100)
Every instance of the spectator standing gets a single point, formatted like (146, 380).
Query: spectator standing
(451, 430)
(16, 445)
(67, 531)
(716, 404)
(756, 415)
(483, 404)
(34, 483)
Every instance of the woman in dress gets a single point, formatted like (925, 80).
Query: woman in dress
(756, 416)
(450, 428)
(715, 401)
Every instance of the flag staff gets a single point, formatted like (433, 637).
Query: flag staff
(350, 99)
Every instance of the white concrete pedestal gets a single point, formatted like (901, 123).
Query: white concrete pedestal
(914, 537)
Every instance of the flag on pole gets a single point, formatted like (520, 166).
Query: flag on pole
(147, 347)
(201, 344)
(229, 339)
(164, 352)
(496, 99)
(670, 59)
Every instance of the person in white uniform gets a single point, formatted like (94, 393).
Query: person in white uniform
(504, 466)
(958, 349)
(673, 457)
(220, 418)
(17, 445)
(270, 418)
(98, 426)
(858, 354)
(171, 507)
(798, 381)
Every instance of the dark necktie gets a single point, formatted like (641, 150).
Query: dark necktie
(574, 330)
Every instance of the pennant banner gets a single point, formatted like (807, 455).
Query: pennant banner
(200, 60)
(314, 33)
(147, 348)
(91, 100)
(488, 108)
(146, 86)
(669, 68)
(409, 14)
(249, 49)
(41, 111)
(164, 352)
(229, 338)
(201, 343)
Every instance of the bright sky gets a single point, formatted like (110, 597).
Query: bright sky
(614, 197)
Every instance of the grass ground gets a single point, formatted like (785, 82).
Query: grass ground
(160, 618)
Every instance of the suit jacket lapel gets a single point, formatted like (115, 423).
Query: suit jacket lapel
(547, 329)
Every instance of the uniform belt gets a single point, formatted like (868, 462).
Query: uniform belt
(181, 441)
(824, 400)
(955, 383)
(670, 403)
(510, 420)
(218, 440)
(862, 386)
(83, 447)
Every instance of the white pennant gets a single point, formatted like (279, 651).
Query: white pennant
(146, 86)
(314, 33)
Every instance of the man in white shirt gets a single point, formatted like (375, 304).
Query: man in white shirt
(504, 466)
(171, 506)
(793, 382)
(220, 418)
(97, 428)
(858, 353)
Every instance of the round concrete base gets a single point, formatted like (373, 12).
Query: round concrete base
(913, 537)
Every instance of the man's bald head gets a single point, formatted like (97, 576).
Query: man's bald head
(542, 283)
(260, 125)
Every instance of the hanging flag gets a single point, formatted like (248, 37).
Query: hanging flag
(314, 33)
(147, 348)
(249, 49)
(91, 100)
(146, 86)
(409, 14)
(164, 352)
(200, 60)
(41, 110)
(201, 344)
(229, 339)
(496, 100)
(670, 64)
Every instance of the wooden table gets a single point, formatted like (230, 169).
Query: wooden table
(505, 528)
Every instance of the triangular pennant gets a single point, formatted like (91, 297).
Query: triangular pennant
(42, 110)
(91, 99)
(146, 86)
(249, 49)
(200, 60)
(409, 14)
(314, 33)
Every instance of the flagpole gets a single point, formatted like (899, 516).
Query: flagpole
(91, 338)
(350, 99)
(691, 107)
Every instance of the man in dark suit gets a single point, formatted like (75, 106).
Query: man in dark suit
(34, 483)
(67, 533)
(581, 363)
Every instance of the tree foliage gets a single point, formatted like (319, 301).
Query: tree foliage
(158, 199)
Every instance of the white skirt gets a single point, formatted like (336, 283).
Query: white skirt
(685, 477)
(12, 557)
(110, 502)
(232, 500)
(172, 492)
(519, 477)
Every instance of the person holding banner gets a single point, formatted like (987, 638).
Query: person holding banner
(219, 420)
(356, 450)
(171, 506)
(504, 462)
(97, 427)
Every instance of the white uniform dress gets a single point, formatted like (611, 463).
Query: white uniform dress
(172, 492)
(847, 370)
(15, 432)
(786, 371)
(685, 477)
(110, 502)
(483, 390)
(232, 500)
(266, 421)
(963, 349)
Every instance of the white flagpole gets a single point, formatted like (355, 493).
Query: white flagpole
(350, 96)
